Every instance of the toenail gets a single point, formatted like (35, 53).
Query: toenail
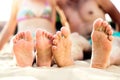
(54, 43)
(100, 29)
(63, 36)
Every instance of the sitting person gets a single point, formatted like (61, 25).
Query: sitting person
(81, 14)
(30, 20)
(104, 46)
(31, 15)
(48, 48)
(76, 51)
(60, 46)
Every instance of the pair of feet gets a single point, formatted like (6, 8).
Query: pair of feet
(58, 47)
(48, 47)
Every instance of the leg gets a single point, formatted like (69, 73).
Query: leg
(62, 48)
(115, 53)
(23, 48)
(43, 47)
(101, 44)
(80, 46)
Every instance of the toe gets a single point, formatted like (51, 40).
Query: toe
(38, 34)
(55, 40)
(65, 31)
(110, 38)
(44, 34)
(50, 36)
(104, 25)
(58, 34)
(97, 24)
(54, 48)
(21, 35)
(109, 30)
(14, 39)
(28, 36)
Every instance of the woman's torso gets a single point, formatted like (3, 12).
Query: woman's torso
(32, 15)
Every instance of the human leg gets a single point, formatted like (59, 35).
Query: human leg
(115, 52)
(81, 47)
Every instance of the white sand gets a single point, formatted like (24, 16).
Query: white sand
(80, 71)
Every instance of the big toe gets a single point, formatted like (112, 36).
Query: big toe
(28, 36)
(65, 31)
(97, 24)
(38, 34)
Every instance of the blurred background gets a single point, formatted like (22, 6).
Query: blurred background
(5, 8)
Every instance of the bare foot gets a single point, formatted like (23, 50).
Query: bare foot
(62, 48)
(23, 49)
(43, 47)
(101, 44)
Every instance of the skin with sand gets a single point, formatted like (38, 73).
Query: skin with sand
(62, 48)
(101, 44)
(59, 47)
(23, 48)
(47, 47)
(43, 47)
